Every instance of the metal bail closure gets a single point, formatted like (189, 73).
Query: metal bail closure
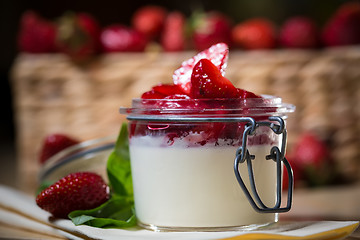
(277, 155)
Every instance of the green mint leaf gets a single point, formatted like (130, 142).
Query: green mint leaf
(81, 219)
(115, 213)
(118, 166)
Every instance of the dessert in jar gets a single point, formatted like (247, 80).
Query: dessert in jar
(183, 140)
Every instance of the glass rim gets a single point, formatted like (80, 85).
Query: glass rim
(74, 153)
(268, 105)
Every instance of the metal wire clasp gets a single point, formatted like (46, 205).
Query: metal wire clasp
(277, 155)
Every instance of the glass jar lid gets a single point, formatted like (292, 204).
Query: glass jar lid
(186, 107)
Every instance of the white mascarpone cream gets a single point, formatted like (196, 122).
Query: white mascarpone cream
(182, 186)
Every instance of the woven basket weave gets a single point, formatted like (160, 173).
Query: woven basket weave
(52, 94)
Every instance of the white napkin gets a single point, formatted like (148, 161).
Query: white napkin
(305, 230)
(20, 210)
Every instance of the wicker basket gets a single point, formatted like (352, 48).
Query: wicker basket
(52, 94)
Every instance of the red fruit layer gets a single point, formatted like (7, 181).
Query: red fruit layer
(208, 132)
(200, 134)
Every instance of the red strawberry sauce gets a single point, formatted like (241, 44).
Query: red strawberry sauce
(208, 132)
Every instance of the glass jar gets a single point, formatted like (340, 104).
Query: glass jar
(189, 156)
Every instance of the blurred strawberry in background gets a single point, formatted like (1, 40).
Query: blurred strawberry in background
(299, 32)
(78, 35)
(36, 35)
(173, 34)
(344, 26)
(256, 33)
(54, 143)
(209, 28)
(120, 38)
(149, 20)
(296, 174)
(311, 160)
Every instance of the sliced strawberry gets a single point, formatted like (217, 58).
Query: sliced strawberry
(161, 91)
(76, 191)
(207, 82)
(217, 54)
(168, 89)
(246, 94)
(152, 94)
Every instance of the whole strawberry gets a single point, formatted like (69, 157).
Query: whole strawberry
(299, 32)
(78, 35)
(149, 20)
(256, 33)
(311, 157)
(297, 173)
(173, 35)
(36, 35)
(119, 38)
(210, 28)
(53, 144)
(77, 191)
(343, 27)
(310, 151)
